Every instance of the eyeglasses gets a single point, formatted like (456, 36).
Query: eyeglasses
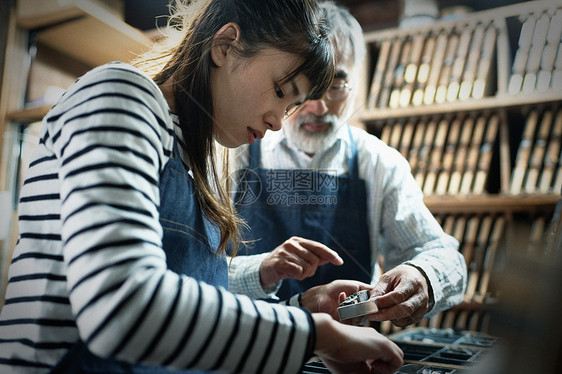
(338, 91)
(290, 111)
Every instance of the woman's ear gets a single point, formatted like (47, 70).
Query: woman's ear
(222, 42)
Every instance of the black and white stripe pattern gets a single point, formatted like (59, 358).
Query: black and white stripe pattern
(89, 262)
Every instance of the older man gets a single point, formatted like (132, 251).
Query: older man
(323, 181)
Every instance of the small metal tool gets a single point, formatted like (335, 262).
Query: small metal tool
(357, 305)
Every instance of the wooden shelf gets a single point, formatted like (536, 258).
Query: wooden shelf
(423, 132)
(82, 29)
(487, 103)
(29, 114)
(514, 10)
(499, 99)
(490, 203)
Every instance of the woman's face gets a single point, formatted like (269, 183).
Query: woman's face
(249, 96)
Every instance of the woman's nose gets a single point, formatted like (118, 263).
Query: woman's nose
(275, 123)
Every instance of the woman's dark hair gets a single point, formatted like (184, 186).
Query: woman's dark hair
(294, 26)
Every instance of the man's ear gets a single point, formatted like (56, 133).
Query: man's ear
(222, 41)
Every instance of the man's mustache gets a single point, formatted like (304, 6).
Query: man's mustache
(329, 119)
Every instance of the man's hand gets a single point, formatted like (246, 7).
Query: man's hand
(402, 296)
(296, 258)
(327, 297)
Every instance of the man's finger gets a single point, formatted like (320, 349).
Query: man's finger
(324, 253)
(291, 270)
(395, 312)
(390, 299)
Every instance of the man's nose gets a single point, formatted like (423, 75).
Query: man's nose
(317, 107)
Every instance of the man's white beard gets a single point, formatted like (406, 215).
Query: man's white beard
(309, 142)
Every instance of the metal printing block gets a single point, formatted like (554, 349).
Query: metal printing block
(357, 305)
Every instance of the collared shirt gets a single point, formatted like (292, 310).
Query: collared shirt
(401, 227)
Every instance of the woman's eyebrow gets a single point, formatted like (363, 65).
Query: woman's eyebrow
(296, 91)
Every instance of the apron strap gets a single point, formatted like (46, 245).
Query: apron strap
(255, 155)
(353, 162)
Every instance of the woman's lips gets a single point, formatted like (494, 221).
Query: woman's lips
(253, 135)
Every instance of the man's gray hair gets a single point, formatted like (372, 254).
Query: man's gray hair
(346, 31)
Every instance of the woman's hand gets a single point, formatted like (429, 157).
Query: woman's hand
(327, 297)
(352, 349)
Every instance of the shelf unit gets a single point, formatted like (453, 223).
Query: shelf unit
(85, 30)
(468, 75)
(84, 33)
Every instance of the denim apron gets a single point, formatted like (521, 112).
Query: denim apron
(190, 242)
(280, 203)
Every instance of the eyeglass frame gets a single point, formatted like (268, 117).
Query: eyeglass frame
(345, 89)
(289, 112)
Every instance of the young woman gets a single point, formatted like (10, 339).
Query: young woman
(120, 264)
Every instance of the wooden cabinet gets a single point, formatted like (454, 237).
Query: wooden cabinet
(83, 31)
(475, 106)
(49, 44)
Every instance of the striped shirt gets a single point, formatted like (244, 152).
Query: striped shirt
(89, 262)
(401, 227)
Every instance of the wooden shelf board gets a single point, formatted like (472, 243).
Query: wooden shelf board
(96, 37)
(32, 14)
(32, 114)
(484, 16)
(489, 203)
(486, 103)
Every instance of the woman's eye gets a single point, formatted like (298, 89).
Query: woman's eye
(279, 92)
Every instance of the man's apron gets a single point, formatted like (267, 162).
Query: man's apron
(190, 242)
(280, 203)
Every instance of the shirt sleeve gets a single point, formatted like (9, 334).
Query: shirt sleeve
(415, 237)
(108, 135)
(295, 300)
(408, 233)
(244, 277)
